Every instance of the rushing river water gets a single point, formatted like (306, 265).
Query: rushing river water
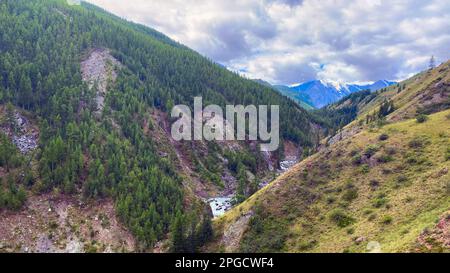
(220, 205)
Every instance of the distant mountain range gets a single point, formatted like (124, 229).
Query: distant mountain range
(317, 94)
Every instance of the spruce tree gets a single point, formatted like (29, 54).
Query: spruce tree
(177, 234)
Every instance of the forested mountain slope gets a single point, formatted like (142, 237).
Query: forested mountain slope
(302, 99)
(90, 94)
(380, 184)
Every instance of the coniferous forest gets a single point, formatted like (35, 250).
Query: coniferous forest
(107, 154)
(88, 162)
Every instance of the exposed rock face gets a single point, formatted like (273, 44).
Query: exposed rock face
(99, 69)
(27, 138)
(232, 236)
(22, 133)
(436, 239)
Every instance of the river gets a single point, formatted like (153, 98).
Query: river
(221, 204)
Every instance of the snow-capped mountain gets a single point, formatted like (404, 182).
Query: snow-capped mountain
(377, 85)
(321, 93)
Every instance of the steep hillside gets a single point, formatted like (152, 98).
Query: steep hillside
(337, 115)
(389, 185)
(87, 121)
(427, 92)
(380, 185)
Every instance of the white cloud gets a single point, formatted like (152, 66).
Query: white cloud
(289, 41)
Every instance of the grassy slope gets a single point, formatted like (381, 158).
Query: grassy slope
(416, 193)
(413, 204)
(397, 193)
(407, 101)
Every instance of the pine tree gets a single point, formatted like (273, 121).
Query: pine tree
(432, 64)
(10, 119)
(206, 231)
(177, 234)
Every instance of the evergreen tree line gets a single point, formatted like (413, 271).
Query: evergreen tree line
(41, 46)
(336, 116)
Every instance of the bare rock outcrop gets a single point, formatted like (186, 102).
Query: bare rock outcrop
(233, 234)
(99, 69)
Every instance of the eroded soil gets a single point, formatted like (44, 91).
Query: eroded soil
(54, 223)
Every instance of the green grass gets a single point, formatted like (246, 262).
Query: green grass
(327, 201)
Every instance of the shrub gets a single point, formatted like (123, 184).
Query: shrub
(257, 224)
(349, 184)
(383, 137)
(372, 217)
(340, 218)
(380, 201)
(417, 160)
(350, 195)
(265, 233)
(304, 246)
(418, 142)
(305, 173)
(368, 211)
(28, 179)
(330, 200)
(402, 178)
(357, 160)
(12, 198)
(421, 118)
(387, 220)
(365, 168)
(374, 184)
(447, 155)
(385, 158)
(391, 150)
(90, 248)
(381, 122)
(53, 225)
(371, 150)
(443, 135)
(354, 152)
(411, 159)
(415, 143)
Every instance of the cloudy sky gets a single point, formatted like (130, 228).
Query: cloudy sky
(293, 41)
